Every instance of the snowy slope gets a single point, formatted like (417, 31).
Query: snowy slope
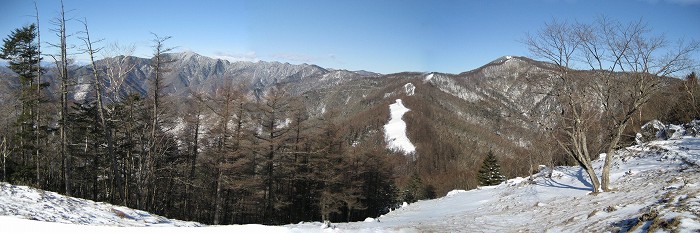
(658, 182)
(30, 203)
(661, 177)
(395, 129)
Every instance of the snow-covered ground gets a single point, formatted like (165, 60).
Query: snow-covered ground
(395, 130)
(34, 204)
(658, 183)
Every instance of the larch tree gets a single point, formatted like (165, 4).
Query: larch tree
(227, 152)
(156, 140)
(272, 113)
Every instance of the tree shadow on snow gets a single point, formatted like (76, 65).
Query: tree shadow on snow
(552, 182)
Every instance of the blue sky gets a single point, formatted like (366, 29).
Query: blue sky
(377, 35)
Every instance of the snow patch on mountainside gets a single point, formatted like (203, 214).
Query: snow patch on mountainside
(410, 89)
(428, 77)
(395, 130)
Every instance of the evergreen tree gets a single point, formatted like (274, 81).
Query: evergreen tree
(412, 191)
(86, 140)
(490, 172)
(21, 51)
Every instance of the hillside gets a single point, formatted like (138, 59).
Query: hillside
(656, 182)
(455, 118)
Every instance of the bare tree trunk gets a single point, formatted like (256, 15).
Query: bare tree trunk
(117, 68)
(605, 182)
(154, 148)
(218, 203)
(116, 181)
(193, 163)
(37, 130)
(4, 159)
(195, 151)
(66, 159)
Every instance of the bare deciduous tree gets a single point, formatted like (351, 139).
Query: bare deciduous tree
(627, 65)
(62, 62)
(630, 64)
(557, 43)
(118, 64)
(156, 140)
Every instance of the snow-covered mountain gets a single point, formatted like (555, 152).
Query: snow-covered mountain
(657, 187)
(189, 71)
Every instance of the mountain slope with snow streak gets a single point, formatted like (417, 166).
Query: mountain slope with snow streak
(395, 130)
(656, 189)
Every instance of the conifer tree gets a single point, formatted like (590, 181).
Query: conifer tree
(21, 51)
(490, 172)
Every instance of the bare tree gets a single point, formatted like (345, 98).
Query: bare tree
(627, 67)
(5, 153)
(97, 84)
(159, 63)
(118, 64)
(557, 43)
(630, 64)
(62, 65)
(37, 101)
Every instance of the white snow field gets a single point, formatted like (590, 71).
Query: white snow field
(658, 183)
(395, 130)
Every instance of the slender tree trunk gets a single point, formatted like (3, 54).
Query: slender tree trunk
(95, 169)
(218, 202)
(583, 150)
(37, 130)
(153, 144)
(4, 159)
(116, 181)
(193, 165)
(64, 106)
(605, 182)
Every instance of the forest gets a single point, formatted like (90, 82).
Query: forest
(221, 158)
